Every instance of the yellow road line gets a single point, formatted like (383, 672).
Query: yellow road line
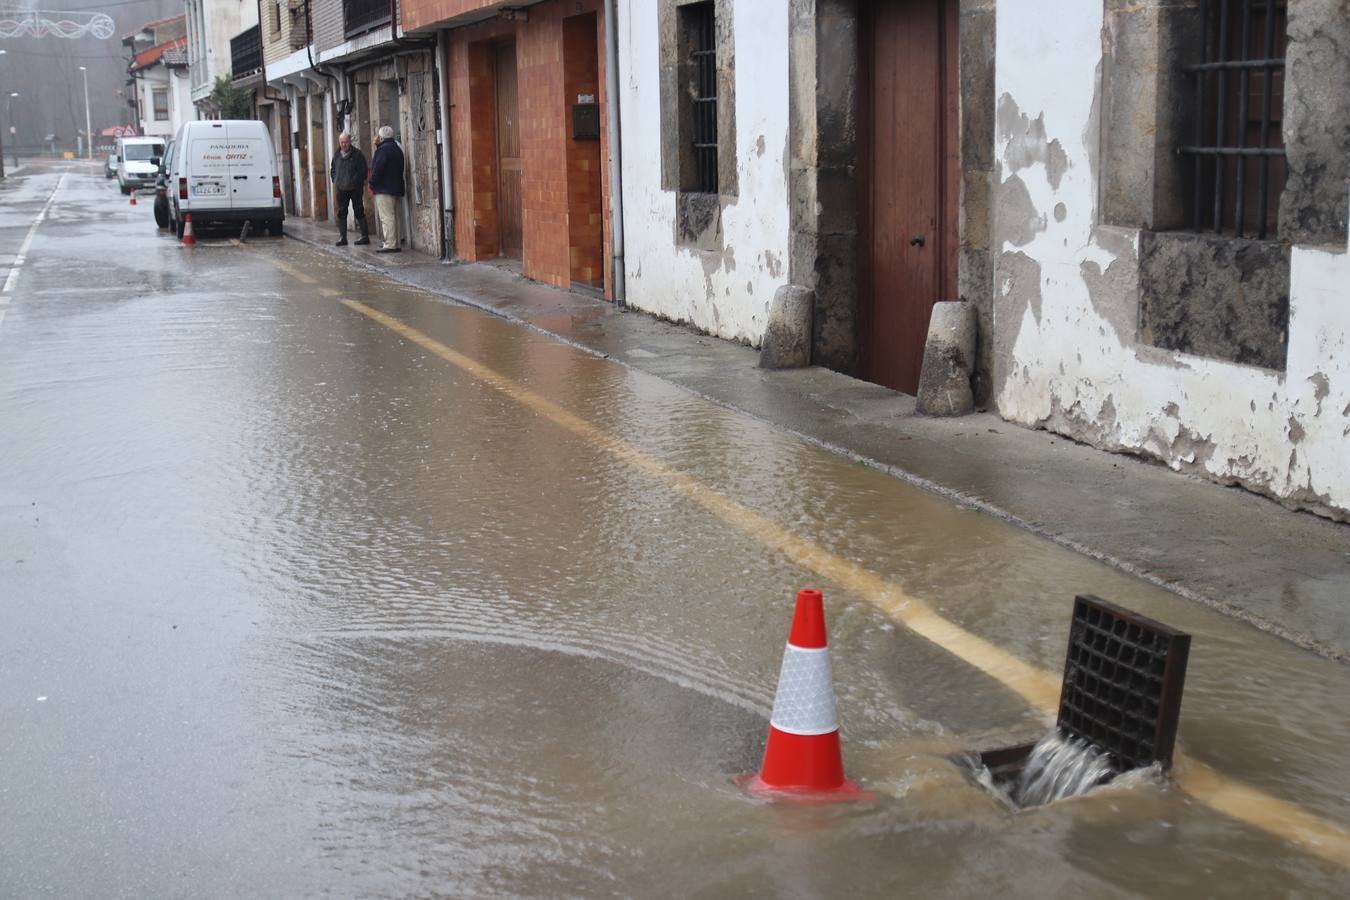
(1039, 688)
(294, 272)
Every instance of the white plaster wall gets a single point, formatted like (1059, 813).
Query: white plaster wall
(1065, 366)
(181, 108)
(148, 80)
(211, 25)
(726, 293)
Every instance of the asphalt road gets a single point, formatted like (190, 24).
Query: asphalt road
(312, 583)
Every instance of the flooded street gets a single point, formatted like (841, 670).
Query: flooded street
(311, 583)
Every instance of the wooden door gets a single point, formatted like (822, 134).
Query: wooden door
(908, 178)
(509, 220)
(319, 171)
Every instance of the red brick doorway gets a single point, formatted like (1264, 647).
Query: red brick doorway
(510, 222)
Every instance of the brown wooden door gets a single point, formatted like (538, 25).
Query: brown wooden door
(509, 221)
(908, 179)
(319, 172)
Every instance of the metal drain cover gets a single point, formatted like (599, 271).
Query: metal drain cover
(1123, 679)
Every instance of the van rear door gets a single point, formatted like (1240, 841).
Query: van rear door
(250, 166)
(207, 168)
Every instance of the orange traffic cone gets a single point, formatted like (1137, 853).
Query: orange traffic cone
(189, 239)
(802, 754)
(133, 198)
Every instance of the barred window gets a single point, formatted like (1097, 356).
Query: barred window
(1237, 157)
(698, 25)
(161, 99)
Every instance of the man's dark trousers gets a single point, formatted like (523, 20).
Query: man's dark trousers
(358, 207)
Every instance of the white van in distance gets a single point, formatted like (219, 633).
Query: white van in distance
(138, 162)
(224, 172)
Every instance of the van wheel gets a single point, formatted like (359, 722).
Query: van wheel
(125, 190)
(179, 228)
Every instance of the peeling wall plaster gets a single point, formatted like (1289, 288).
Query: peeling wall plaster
(725, 290)
(1066, 300)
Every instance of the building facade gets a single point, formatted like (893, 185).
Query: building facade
(382, 77)
(212, 26)
(1170, 220)
(1144, 202)
(528, 149)
(158, 86)
(293, 98)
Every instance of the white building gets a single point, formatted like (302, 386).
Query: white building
(157, 76)
(1148, 299)
(1069, 168)
(712, 252)
(211, 25)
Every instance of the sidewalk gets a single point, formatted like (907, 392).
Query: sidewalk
(1285, 572)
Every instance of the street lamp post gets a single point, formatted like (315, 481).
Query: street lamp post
(2, 142)
(9, 117)
(88, 132)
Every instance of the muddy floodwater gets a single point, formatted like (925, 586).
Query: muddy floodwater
(292, 604)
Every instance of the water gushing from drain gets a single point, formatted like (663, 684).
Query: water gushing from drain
(1060, 767)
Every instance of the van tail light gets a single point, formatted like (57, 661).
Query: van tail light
(276, 187)
(182, 189)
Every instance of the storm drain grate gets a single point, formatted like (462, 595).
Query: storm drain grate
(1123, 679)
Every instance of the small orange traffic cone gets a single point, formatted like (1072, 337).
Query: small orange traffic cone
(189, 239)
(802, 753)
(133, 198)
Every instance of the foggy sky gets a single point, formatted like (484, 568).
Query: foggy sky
(45, 72)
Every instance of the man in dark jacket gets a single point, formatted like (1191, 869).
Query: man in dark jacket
(348, 172)
(386, 183)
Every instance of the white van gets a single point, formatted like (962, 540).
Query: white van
(224, 172)
(138, 162)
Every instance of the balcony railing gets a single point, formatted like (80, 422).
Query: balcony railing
(360, 16)
(246, 53)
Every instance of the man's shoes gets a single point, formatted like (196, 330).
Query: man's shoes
(363, 241)
(342, 242)
(390, 250)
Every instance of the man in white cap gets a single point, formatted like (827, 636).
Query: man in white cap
(386, 183)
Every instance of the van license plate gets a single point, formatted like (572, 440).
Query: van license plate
(202, 190)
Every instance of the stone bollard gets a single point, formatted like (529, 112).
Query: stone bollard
(787, 339)
(948, 355)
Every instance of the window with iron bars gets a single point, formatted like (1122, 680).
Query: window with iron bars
(1237, 160)
(699, 24)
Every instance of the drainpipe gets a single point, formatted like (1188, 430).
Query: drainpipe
(446, 173)
(615, 169)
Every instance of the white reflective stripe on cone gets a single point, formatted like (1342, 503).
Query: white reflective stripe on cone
(804, 703)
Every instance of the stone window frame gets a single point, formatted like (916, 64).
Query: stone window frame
(1207, 294)
(698, 219)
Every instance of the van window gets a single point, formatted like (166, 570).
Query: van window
(142, 151)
